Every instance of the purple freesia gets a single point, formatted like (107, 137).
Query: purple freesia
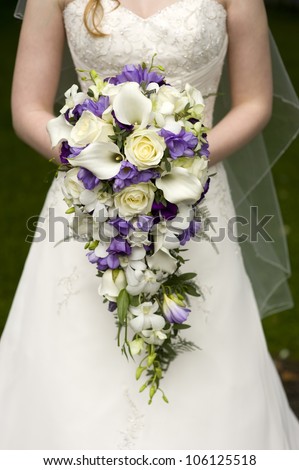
(174, 309)
(129, 174)
(190, 232)
(168, 212)
(181, 144)
(67, 151)
(145, 223)
(92, 257)
(111, 261)
(89, 180)
(119, 246)
(95, 107)
(133, 73)
(204, 151)
(112, 306)
(122, 226)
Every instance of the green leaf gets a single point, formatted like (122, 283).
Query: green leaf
(123, 302)
(187, 276)
(180, 326)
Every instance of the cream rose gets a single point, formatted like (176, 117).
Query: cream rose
(90, 128)
(135, 199)
(144, 148)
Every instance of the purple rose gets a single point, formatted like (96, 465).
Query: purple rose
(181, 144)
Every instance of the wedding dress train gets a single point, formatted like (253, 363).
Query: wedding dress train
(63, 381)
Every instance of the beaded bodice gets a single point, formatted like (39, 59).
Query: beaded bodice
(188, 36)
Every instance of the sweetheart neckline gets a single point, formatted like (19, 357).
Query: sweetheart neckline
(155, 14)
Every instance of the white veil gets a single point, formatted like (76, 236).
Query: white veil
(249, 172)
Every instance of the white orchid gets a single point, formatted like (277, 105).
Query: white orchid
(141, 281)
(180, 186)
(156, 337)
(145, 317)
(135, 260)
(111, 283)
(131, 106)
(101, 158)
(72, 98)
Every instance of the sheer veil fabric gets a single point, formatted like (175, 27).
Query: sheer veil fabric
(251, 183)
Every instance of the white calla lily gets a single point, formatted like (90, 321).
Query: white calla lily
(162, 260)
(180, 186)
(59, 129)
(103, 159)
(131, 107)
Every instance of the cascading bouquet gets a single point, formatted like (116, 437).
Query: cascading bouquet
(135, 154)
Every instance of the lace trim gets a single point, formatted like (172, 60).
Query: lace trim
(134, 427)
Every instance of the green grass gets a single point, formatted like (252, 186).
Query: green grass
(25, 178)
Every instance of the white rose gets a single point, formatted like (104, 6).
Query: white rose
(144, 148)
(135, 199)
(90, 128)
(73, 187)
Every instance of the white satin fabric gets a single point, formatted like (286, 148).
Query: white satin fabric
(63, 381)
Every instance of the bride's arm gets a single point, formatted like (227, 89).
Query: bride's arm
(36, 73)
(250, 78)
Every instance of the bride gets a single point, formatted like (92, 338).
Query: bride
(63, 382)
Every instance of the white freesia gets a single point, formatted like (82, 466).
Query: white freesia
(141, 281)
(182, 220)
(180, 186)
(196, 101)
(135, 199)
(138, 239)
(197, 166)
(90, 128)
(72, 98)
(167, 102)
(144, 148)
(162, 260)
(111, 283)
(72, 186)
(164, 237)
(102, 159)
(131, 106)
(59, 129)
(145, 317)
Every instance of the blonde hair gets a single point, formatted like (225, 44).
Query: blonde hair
(93, 15)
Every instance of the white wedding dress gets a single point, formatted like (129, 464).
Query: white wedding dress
(63, 381)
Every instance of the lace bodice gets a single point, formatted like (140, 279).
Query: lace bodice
(188, 36)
